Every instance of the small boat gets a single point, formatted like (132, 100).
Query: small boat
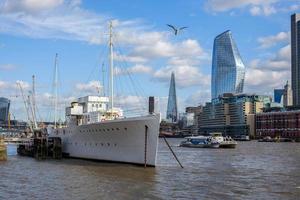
(225, 142)
(199, 142)
(266, 139)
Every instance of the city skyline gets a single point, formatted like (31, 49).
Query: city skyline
(32, 34)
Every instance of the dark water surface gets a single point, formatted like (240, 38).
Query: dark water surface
(251, 171)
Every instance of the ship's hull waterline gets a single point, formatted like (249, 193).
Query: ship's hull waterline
(129, 140)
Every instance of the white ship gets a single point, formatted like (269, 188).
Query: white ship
(97, 130)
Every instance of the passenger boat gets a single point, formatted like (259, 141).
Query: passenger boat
(225, 141)
(200, 142)
(97, 130)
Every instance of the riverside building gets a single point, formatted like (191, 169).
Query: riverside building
(284, 124)
(232, 114)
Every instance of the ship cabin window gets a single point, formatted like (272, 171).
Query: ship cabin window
(104, 130)
(125, 129)
(108, 144)
(96, 144)
(101, 144)
(64, 131)
(115, 144)
(93, 105)
(107, 129)
(117, 129)
(112, 129)
(96, 105)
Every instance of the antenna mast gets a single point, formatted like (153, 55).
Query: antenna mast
(111, 57)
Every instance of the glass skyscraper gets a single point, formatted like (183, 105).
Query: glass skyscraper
(4, 108)
(228, 69)
(172, 101)
(295, 57)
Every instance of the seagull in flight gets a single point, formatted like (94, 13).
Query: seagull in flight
(176, 30)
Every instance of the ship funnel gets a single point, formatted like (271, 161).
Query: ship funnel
(151, 104)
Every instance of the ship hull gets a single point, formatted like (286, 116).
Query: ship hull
(129, 140)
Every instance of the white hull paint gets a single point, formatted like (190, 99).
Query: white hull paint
(121, 140)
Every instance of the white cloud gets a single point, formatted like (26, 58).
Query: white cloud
(272, 40)
(11, 6)
(279, 62)
(199, 97)
(256, 7)
(185, 75)
(7, 67)
(136, 69)
(266, 74)
(92, 87)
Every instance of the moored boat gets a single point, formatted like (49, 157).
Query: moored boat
(97, 130)
(225, 142)
(199, 142)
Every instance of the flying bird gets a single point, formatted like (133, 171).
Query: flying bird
(176, 30)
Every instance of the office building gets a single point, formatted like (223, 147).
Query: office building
(4, 108)
(295, 57)
(232, 114)
(172, 101)
(228, 69)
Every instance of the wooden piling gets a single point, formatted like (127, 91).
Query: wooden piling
(3, 150)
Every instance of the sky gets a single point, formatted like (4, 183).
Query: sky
(146, 49)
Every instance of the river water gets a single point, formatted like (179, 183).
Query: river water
(251, 171)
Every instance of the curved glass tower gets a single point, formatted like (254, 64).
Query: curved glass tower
(172, 101)
(228, 69)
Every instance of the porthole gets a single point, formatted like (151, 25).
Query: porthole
(125, 129)
(108, 144)
(107, 129)
(117, 129)
(102, 144)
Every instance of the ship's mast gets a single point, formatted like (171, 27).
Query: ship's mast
(33, 102)
(56, 90)
(111, 63)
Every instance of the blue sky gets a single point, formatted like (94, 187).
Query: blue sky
(32, 31)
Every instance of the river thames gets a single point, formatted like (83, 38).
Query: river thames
(251, 171)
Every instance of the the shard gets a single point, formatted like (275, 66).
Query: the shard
(228, 69)
(172, 101)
